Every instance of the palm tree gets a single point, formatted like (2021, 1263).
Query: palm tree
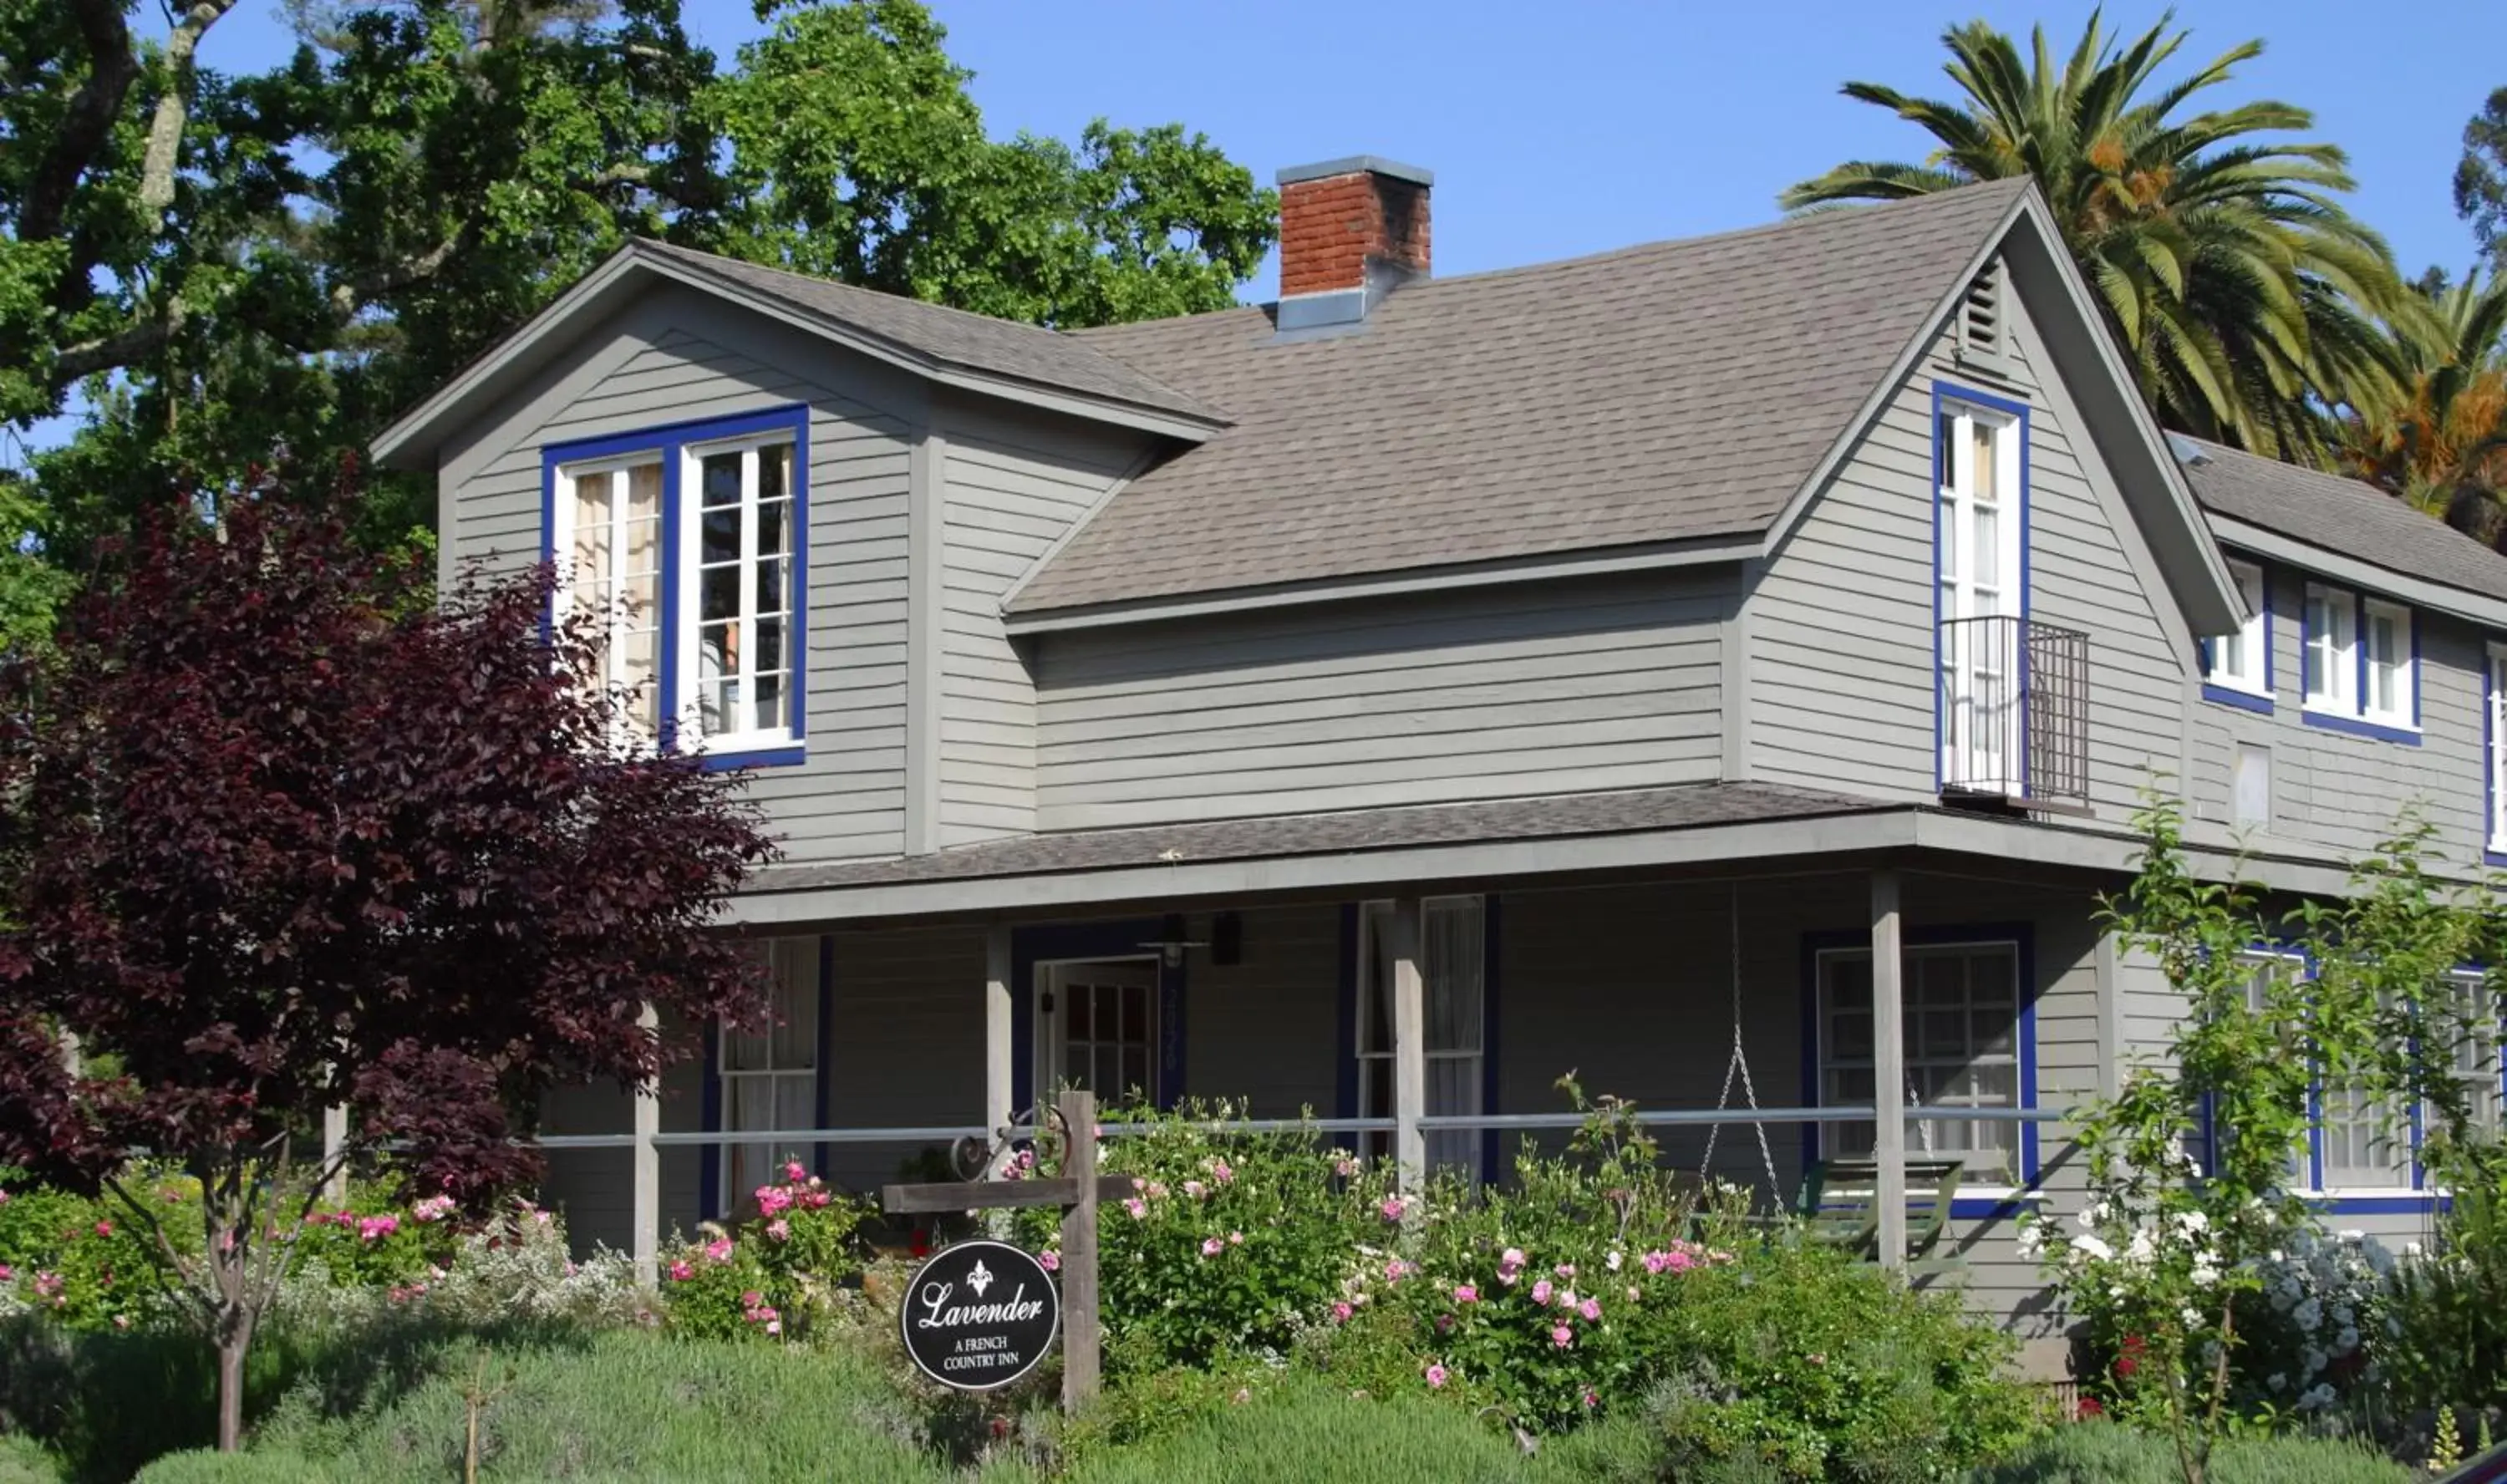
(2242, 290)
(2439, 440)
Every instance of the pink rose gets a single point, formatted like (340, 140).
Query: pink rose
(1437, 1377)
(104, 1228)
(751, 1299)
(1541, 1292)
(1562, 1336)
(1157, 1190)
(681, 1271)
(1590, 1308)
(1235, 1238)
(779, 1229)
(1392, 1208)
(1137, 1207)
(1221, 1172)
(1592, 1397)
(793, 1172)
(774, 1326)
(1344, 1167)
(1213, 1247)
(1195, 1189)
(1395, 1269)
(1465, 1293)
(1565, 1270)
(1340, 1312)
(718, 1250)
(1049, 1261)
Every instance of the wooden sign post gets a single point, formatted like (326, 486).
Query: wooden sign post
(1077, 1190)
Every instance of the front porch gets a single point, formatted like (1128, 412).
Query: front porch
(1422, 1013)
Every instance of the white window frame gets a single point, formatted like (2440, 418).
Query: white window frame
(1979, 664)
(795, 975)
(2346, 1110)
(2243, 660)
(1928, 1137)
(1457, 1150)
(2478, 1058)
(2332, 647)
(2496, 687)
(687, 642)
(2403, 713)
(1053, 1044)
(636, 727)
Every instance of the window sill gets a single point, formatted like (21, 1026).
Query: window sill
(2259, 702)
(2494, 853)
(763, 755)
(2356, 726)
(1995, 1204)
(2384, 1203)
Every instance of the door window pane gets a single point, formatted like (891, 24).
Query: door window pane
(1961, 1049)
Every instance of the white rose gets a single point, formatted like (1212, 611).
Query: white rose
(2091, 1246)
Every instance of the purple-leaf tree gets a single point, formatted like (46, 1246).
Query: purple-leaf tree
(280, 832)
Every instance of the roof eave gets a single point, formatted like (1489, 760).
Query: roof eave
(1550, 567)
(2419, 592)
(410, 440)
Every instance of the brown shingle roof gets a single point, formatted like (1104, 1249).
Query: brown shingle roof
(1684, 807)
(2342, 516)
(947, 337)
(1675, 391)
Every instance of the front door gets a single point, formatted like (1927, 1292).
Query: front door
(1097, 1028)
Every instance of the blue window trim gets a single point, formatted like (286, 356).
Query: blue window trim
(2229, 695)
(710, 1190)
(2350, 725)
(667, 442)
(2490, 743)
(1945, 392)
(2022, 936)
(1068, 942)
(2416, 1199)
(1345, 1084)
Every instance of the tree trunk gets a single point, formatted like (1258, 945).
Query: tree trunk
(231, 1353)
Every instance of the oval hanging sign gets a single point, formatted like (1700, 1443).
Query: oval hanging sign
(979, 1315)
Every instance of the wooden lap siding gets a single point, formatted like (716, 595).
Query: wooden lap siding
(1488, 692)
(846, 800)
(1841, 618)
(2342, 793)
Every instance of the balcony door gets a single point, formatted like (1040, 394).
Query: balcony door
(1979, 597)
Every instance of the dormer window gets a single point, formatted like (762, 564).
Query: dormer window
(690, 543)
(2236, 667)
(2361, 663)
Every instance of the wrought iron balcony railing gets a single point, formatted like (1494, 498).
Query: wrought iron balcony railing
(2014, 712)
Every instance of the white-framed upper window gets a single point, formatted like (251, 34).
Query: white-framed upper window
(1961, 1032)
(608, 541)
(693, 539)
(770, 1076)
(2243, 660)
(1453, 967)
(2390, 694)
(2496, 664)
(739, 566)
(2332, 650)
(1978, 594)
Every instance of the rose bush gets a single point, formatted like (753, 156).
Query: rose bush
(774, 1275)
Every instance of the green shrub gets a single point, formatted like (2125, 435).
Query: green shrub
(1309, 1432)
(1227, 1242)
(772, 1276)
(2106, 1453)
(2447, 1346)
(23, 1461)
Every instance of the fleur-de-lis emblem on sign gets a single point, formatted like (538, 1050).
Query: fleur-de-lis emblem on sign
(979, 1278)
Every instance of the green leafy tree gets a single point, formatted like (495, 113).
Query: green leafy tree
(2224, 261)
(205, 267)
(2481, 177)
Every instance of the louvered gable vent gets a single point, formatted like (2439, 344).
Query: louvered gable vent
(1982, 332)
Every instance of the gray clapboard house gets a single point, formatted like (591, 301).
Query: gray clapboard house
(1384, 701)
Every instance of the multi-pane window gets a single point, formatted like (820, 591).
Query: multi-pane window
(2477, 1068)
(609, 548)
(1977, 541)
(2361, 657)
(689, 544)
(1453, 968)
(738, 650)
(1104, 1026)
(2386, 629)
(2362, 1142)
(2332, 656)
(2243, 660)
(770, 1075)
(1961, 1025)
(2498, 747)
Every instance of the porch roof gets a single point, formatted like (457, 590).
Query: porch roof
(1362, 852)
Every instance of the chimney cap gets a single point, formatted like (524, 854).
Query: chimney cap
(1355, 165)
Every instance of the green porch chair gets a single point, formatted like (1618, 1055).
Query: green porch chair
(1839, 1205)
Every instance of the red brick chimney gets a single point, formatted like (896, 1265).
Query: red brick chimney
(1351, 231)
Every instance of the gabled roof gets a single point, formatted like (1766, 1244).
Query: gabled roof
(2347, 520)
(1675, 392)
(1002, 357)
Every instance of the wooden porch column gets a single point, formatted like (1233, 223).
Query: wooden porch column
(1409, 1043)
(1889, 1067)
(335, 1138)
(646, 1155)
(1000, 1073)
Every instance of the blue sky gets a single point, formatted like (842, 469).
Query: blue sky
(1578, 127)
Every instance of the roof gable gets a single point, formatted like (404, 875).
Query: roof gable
(1020, 362)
